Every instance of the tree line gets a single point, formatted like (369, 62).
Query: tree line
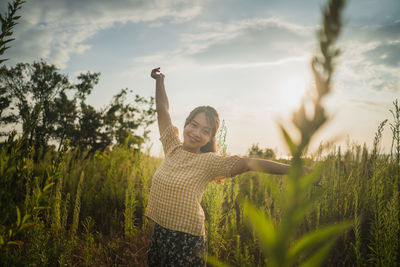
(39, 92)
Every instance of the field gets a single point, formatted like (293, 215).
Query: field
(82, 205)
(95, 214)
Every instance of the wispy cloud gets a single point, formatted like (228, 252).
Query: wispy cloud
(387, 54)
(372, 105)
(248, 41)
(54, 30)
(371, 58)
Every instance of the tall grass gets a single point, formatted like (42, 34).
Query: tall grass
(359, 185)
(395, 153)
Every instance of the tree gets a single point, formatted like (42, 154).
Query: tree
(256, 152)
(62, 117)
(36, 84)
(120, 119)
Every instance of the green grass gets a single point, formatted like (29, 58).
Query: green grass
(359, 185)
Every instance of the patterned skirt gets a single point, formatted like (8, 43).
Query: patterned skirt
(173, 248)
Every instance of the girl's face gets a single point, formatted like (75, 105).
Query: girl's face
(196, 133)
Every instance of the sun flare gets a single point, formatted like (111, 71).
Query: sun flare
(291, 91)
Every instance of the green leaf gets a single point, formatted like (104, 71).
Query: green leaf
(292, 146)
(9, 40)
(318, 258)
(48, 186)
(39, 195)
(18, 217)
(41, 208)
(273, 186)
(18, 243)
(25, 225)
(310, 178)
(215, 262)
(305, 206)
(4, 48)
(317, 239)
(26, 217)
(263, 226)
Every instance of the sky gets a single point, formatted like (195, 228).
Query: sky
(248, 59)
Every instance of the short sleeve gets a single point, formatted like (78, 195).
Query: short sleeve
(169, 139)
(221, 166)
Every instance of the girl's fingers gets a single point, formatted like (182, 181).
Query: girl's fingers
(155, 70)
(155, 73)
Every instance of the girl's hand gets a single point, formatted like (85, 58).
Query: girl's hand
(156, 74)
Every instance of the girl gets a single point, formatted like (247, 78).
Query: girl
(178, 184)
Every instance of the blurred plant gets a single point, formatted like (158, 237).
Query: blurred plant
(7, 24)
(278, 241)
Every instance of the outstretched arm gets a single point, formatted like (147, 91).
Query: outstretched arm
(162, 104)
(260, 165)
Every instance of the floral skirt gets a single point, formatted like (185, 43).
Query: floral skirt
(173, 248)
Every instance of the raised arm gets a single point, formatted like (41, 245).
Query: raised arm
(162, 104)
(261, 165)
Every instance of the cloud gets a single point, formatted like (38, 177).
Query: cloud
(380, 44)
(387, 32)
(248, 41)
(387, 54)
(371, 105)
(371, 58)
(54, 30)
(241, 44)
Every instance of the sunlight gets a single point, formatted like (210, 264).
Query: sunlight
(291, 91)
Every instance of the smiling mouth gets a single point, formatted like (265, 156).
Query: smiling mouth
(194, 140)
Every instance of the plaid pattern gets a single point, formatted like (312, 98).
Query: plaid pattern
(179, 183)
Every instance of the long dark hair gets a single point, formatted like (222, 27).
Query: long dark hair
(213, 118)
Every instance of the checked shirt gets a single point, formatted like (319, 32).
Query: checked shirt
(179, 183)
